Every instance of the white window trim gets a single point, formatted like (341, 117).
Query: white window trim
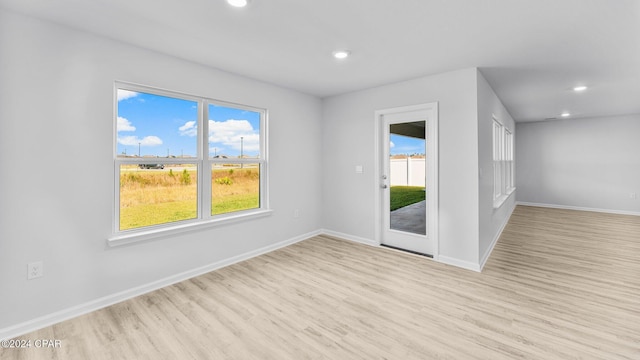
(204, 164)
(155, 232)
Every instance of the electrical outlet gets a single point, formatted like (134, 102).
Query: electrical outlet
(35, 270)
(633, 196)
(296, 213)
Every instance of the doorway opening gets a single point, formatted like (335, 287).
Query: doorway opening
(407, 164)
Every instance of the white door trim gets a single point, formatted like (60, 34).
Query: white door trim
(432, 169)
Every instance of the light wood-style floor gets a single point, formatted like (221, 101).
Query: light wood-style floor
(559, 285)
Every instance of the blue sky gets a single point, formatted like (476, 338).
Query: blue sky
(157, 125)
(404, 145)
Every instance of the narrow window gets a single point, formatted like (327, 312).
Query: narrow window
(503, 163)
(497, 160)
(509, 167)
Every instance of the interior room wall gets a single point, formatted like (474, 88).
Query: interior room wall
(56, 141)
(492, 221)
(349, 140)
(56, 137)
(590, 163)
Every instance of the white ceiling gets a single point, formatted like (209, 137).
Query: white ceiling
(532, 52)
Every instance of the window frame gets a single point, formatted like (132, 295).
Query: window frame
(204, 164)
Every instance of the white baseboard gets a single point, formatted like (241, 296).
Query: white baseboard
(579, 208)
(459, 263)
(440, 258)
(353, 238)
(487, 253)
(97, 304)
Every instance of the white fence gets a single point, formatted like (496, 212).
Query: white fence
(407, 172)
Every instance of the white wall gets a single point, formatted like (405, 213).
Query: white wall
(492, 221)
(589, 163)
(348, 140)
(56, 141)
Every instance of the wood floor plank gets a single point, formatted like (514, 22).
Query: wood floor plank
(560, 284)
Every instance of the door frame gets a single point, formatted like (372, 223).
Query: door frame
(432, 169)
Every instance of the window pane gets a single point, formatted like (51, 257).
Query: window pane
(233, 133)
(151, 125)
(152, 194)
(497, 141)
(234, 187)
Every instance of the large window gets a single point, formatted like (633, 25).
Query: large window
(184, 160)
(503, 163)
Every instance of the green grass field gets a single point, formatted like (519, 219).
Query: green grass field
(152, 197)
(402, 196)
(233, 203)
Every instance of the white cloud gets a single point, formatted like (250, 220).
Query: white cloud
(229, 132)
(126, 94)
(145, 141)
(190, 128)
(391, 144)
(124, 125)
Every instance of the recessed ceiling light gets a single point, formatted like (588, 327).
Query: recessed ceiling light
(580, 88)
(238, 3)
(565, 114)
(341, 54)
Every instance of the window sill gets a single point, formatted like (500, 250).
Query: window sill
(144, 235)
(497, 203)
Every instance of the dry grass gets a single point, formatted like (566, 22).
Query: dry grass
(151, 197)
(235, 190)
(234, 181)
(155, 187)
